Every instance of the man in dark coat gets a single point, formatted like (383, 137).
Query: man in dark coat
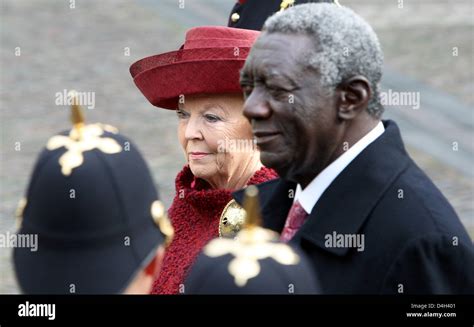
(349, 194)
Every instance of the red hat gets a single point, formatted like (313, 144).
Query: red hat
(208, 62)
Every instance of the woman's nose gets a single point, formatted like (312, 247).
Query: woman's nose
(256, 107)
(193, 130)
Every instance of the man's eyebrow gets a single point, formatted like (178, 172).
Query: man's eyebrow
(275, 75)
(265, 71)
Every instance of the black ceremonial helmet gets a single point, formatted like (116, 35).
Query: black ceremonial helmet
(251, 14)
(93, 205)
(255, 262)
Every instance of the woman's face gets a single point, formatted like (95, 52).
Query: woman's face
(216, 138)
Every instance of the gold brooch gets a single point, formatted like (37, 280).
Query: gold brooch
(231, 220)
(82, 138)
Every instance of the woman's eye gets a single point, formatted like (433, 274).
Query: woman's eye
(181, 114)
(212, 118)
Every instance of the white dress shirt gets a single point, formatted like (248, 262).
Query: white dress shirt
(311, 194)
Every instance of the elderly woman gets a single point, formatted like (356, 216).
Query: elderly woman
(201, 83)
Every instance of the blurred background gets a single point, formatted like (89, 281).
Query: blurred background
(428, 46)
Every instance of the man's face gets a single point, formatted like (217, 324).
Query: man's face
(293, 117)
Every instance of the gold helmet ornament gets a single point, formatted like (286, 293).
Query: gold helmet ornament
(251, 244)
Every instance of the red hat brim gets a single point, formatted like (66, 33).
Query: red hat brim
(164, 78)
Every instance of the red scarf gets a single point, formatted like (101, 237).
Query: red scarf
(195, 214)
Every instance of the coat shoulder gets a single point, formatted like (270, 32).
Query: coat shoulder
(418, 206)
(432, 264)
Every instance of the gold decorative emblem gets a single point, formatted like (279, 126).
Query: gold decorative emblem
(231, 220)
(285, 4)
(252, 244)
(235, 17)
(19, 211)
(82, 138)
(162, 221)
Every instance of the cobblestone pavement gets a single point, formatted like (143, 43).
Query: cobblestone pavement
(84, 49)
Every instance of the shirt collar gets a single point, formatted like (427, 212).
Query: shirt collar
(311, 194)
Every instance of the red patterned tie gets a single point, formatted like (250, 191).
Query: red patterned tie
(295, 219)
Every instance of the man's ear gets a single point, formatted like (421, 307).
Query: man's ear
(353, 97)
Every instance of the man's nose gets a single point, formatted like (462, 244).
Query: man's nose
(256, 107)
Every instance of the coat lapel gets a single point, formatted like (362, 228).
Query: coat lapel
(348, 201)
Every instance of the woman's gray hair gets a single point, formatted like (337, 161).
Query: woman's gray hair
(345, 44)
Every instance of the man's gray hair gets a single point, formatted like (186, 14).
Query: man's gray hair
(346, 45)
